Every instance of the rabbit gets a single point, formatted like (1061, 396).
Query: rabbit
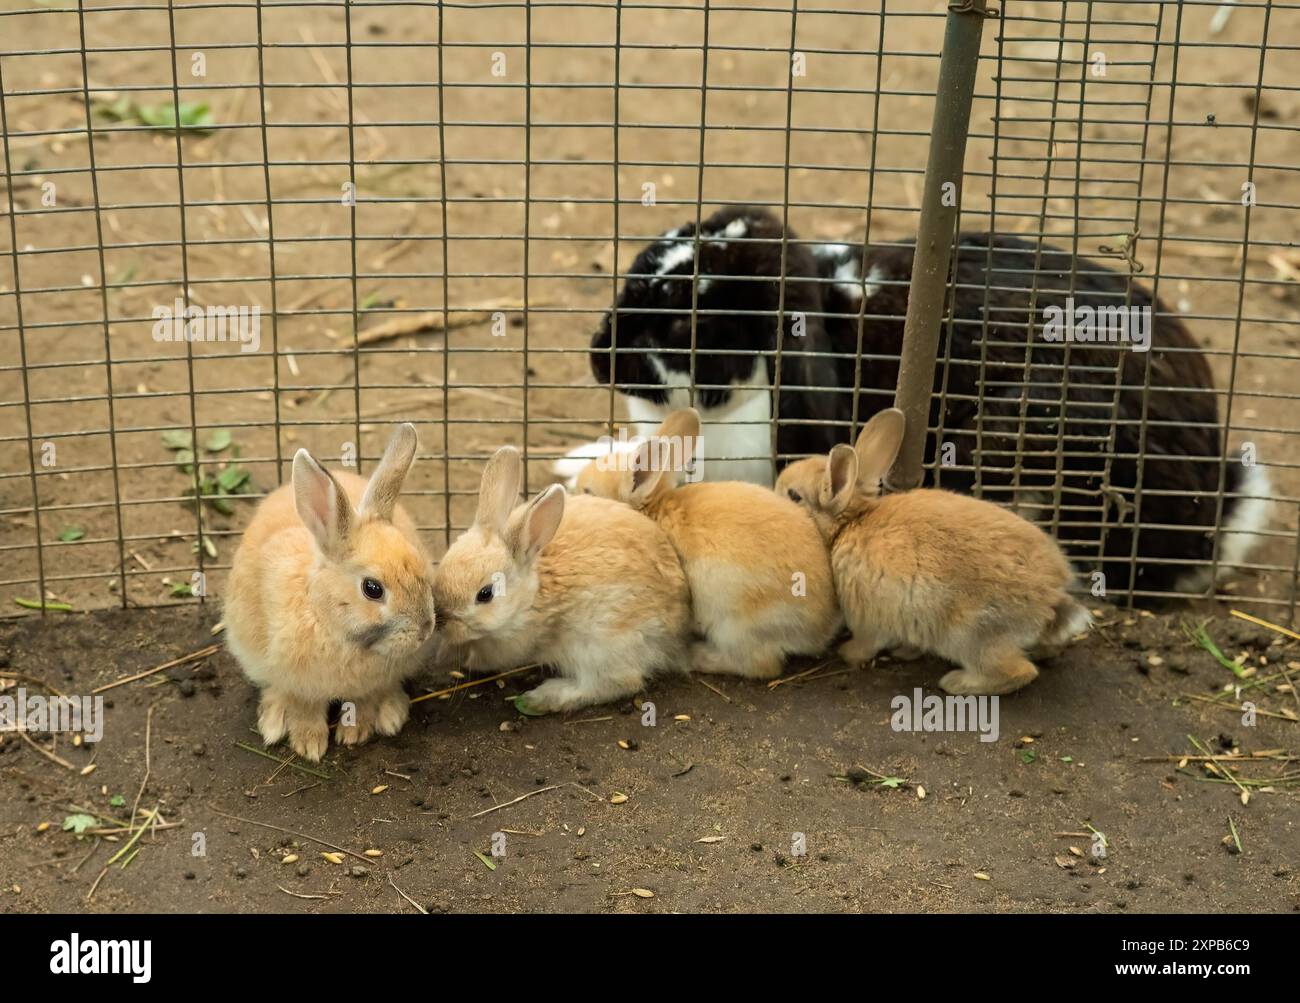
(580, 458)
(758, 571)
(654, 349)
(934, 571)
(330, 597)
(851, 301)
(585, 585)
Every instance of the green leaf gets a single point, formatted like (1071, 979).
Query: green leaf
(193, 115)
(117, 801)
(185, 460)
(218, 441)
(1067, 759)
(62, 607)
(219, 503)
(119, 111)
(178, 438)
(79, 823)
(891, 782)
(488, 862)
(232, 479)
(71, 534)
(1202, 637)
(181, 590)
(1028, 756)
(524, 707)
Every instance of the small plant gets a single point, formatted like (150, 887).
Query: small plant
(193, 115)
(215, 489)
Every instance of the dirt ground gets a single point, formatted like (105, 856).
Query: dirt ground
(701, 810)
(753, 765)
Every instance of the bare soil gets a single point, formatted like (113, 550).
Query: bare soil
(716, 792)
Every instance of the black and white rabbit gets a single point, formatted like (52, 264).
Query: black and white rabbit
(736, 364)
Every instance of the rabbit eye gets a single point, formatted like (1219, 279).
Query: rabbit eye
(372, 589)
(484, 594)
(795, 496)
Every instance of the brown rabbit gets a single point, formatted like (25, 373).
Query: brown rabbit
(758, 570)
(934, 571)
(584, 585)
(330, 597)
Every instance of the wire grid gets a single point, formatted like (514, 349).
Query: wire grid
(498, 155)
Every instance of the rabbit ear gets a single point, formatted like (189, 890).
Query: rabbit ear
(385, 485)
(538, 523)
(668, 453)
(878, 446)
(647, 465)
(683, 423)
(840, 479)
(682, 429)
(498, 492)
(322, 505)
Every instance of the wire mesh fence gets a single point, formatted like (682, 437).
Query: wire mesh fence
(423, 211)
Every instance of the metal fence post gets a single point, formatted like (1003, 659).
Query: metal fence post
(936, 232)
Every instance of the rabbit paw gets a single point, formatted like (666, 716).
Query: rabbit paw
(1008, 679)
(551, 696)
(392, 712)
(355, 724)
(857, 651)
(310, 739)
(753, 664)
(384, 715)
(305, 726)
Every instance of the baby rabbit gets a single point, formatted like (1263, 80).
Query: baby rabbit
(330, 597)
(934, 571)
(587, 586)
(758, 571)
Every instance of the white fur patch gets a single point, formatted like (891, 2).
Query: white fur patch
(737, 437)
(833, 251)
(1247, 517)
(572, 463)
(848, 271)
(875, 279)
(676, 255)
(736, 228)
(1079, 623)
